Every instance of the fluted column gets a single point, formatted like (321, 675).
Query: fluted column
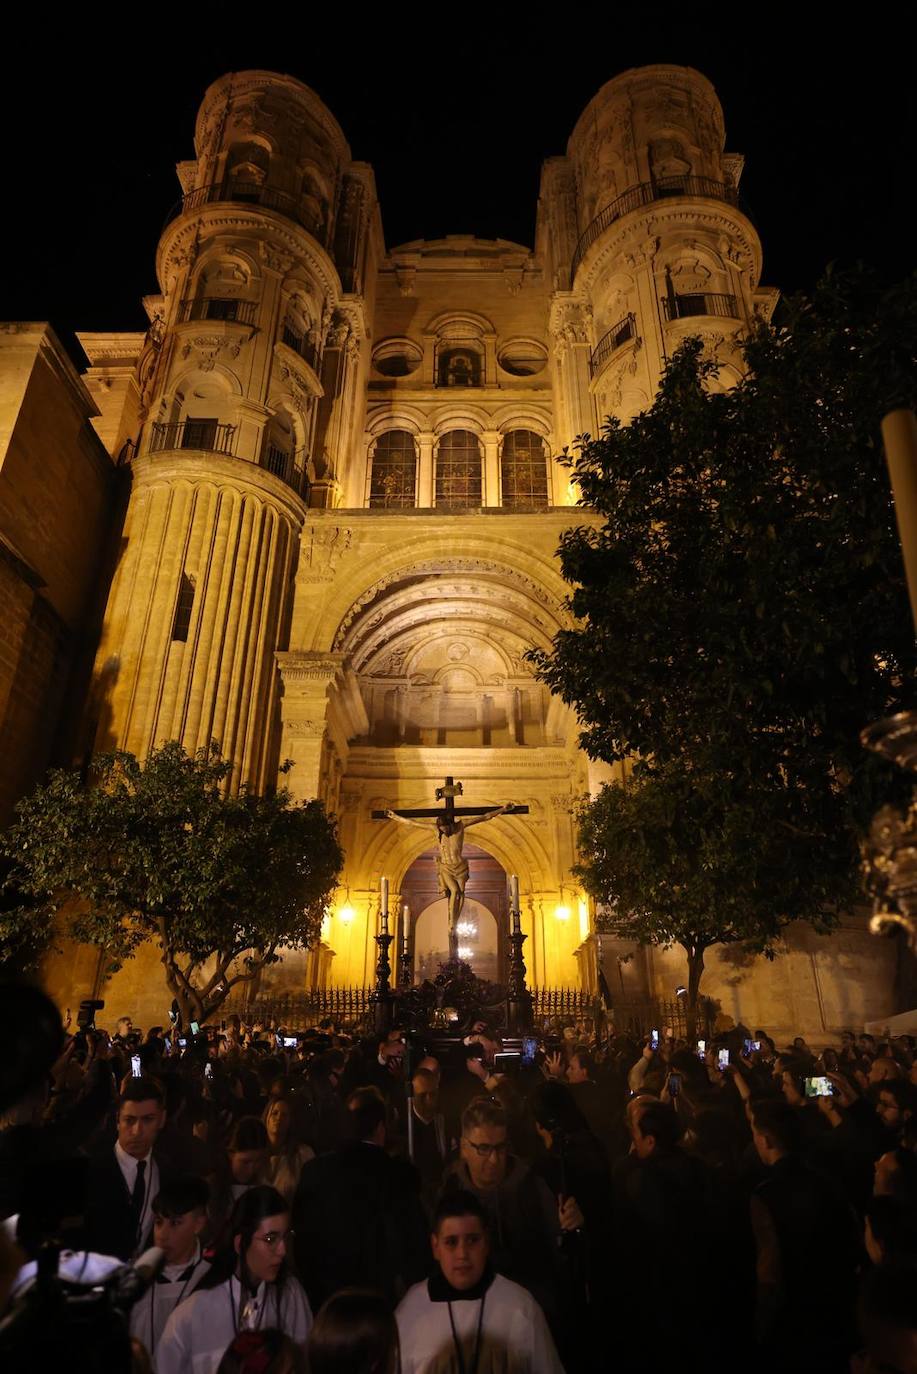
(231, 539)
(425, 441)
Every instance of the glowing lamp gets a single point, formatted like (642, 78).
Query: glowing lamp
(562, 913)
(346, 914)
(464, 951)
(466, 928)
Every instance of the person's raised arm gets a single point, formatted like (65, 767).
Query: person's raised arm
(405, 820)
(489, 816)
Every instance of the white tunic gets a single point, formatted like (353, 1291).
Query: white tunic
(200, 1329)
(150, 1314)
(514, 1334)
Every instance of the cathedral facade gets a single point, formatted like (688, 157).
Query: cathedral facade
(346, 492)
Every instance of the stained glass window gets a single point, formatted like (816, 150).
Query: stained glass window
(458, 469)
(393, 477)
(524, 470)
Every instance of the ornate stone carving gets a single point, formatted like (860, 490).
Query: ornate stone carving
(323, 546)
(305, 729)
(208, 348)
(275, 258)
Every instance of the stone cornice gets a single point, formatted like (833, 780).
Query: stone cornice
(104, 348)
(218, 470)
(675, 213)
(179, 240)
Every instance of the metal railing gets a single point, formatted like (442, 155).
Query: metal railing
(297, 1011)
(644, 193)
(218, 308)
(194, 434)
(611, 341)
(700, 303)
(245, 193)
(299, 343)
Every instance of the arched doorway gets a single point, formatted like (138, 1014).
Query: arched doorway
(486, 908)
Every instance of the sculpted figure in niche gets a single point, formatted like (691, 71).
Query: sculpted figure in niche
(451, 865)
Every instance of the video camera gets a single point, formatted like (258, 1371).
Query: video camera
(86, 1016)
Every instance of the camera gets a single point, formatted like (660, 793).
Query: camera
(289, 1042)
(86, 1016)
(529, 1050)
(701, 1048)
(509, 1061)
(722, 1059)
(751, 1046)
(819, 1087)
(136, 1071)
(674, 1084)
(654, 1040)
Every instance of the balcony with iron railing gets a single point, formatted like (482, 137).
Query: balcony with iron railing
(613, 339)
(246, 193)
(645, 193)
(299, 343)
(718, 303)
(205, 435)
(218, 308)
(282, 464)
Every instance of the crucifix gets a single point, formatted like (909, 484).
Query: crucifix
(451, 865)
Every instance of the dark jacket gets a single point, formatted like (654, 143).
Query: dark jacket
(109, 1227)
(359, 1223)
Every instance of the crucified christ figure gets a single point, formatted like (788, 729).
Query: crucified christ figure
(451, 866)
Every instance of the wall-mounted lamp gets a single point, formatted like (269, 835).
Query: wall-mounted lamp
(346, 914)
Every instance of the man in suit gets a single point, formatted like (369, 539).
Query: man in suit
(357, 1214)
(125, 1177)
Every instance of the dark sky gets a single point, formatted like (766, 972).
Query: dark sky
(455, 123)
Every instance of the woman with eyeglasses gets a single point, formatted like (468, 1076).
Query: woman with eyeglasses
(249, 1290)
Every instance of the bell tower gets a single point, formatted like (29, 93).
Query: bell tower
(646, 242)
(250, 381)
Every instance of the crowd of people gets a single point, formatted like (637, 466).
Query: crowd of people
(348, 1205)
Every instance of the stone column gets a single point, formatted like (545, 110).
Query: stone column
(425, 441)
(490, 493)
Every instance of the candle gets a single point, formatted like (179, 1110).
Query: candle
(384, 906)
(405, 922)
(514, 902)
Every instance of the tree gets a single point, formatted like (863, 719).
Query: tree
(741, 609)
(677, 857)
(159, 851)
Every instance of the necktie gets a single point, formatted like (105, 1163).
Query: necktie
(138, 1196)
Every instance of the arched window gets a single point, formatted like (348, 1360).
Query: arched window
(524, 469)
(459, 367)
(247, 168)
(393, 478)
(458, 469)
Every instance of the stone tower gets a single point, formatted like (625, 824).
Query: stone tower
(247, 383)
(644, 243)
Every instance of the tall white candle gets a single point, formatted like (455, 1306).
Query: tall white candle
(405, 922)
(384, 886)
(514, 902)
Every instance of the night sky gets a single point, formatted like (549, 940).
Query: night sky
(455, 123)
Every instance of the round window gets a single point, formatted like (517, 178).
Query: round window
(522, 357)
(396, 357)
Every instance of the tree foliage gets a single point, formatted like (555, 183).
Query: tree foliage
(158, 850)
(741, 614)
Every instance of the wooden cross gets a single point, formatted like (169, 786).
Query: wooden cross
(447, 795)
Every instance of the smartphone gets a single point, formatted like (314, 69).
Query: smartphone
(529, 1049)
(289, 1042)
(674, 1084)
(136, 1070)
(722, 1059)
(654, 1040)
(701, 1048)
(182, 1044)
(507, 1062)
(195, 1028)
(819, 1087)
(208, 1069)
(750, 1047)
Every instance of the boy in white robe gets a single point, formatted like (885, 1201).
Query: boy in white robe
(466, 1317)
(179, 1216)
(259, 1294)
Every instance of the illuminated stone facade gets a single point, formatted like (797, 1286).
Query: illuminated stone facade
(346, 494)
